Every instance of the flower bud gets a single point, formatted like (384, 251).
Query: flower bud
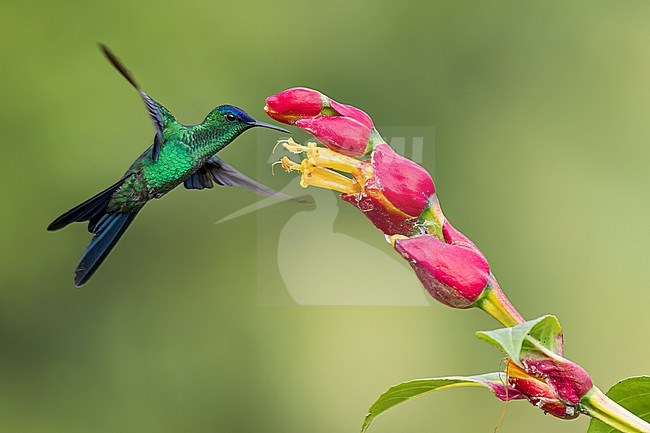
(343, 128)
(455, 275)
(569, 381)
(538, 392)
(293, 104)
(341, 134)
(395, 193)
(405, 184)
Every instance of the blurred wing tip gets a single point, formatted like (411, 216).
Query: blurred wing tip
(261, 204)
(102, 46)
(117, 64)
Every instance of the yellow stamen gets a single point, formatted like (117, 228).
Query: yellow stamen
(321, 177)
(289, 165)
(325, 157)
(291, 146)
(321, 156)
(317, 170)
(324, 178)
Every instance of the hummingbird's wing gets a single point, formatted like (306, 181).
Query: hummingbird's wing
(152, 106)
(217, 171)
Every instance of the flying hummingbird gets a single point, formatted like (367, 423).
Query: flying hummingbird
(179, 154)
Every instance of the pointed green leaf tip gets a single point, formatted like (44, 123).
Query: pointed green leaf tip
(512, 341)
(407, 390)
(633, 394)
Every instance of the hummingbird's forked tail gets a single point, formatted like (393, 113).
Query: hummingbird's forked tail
(108, 230)
(91, 210)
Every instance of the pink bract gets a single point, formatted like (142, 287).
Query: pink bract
(389, 223)
(454, 275)
(405, 184)
(353, 113)
(341, 134)
(293, 104)
(540, 394)
(569, 381)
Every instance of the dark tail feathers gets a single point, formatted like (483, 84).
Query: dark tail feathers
(90, 210)
(107, 228)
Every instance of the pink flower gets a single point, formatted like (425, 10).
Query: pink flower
(342, 128)
(569, 381)
(405, 184)
(341, 134)
(293, 104)
(394, 191)
(539, 393)
(455, 275)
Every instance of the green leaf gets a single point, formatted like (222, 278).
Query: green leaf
(512, 341)
(633, 394)
(407, 390)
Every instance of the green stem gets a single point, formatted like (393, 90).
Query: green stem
(375, 140)
(496, 304)
(596, 404)
(431, 221)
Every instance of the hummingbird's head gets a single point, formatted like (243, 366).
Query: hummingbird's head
(233, 117)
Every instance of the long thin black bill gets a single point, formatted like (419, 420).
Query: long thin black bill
(268, 125)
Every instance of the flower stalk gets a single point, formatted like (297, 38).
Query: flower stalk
(399, 197)
(495, 303)
(597, 405)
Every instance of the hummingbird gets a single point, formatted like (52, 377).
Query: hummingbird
(180, 154)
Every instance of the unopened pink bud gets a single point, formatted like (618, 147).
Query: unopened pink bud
(341, 134)
(405, 184)
(293, 104)
(343, 128)
(455, 275)
(569, 381)
(539, 393)
(396, 193)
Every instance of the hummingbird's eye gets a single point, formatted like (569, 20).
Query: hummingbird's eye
(230, 117)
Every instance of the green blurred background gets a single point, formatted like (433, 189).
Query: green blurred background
(542, 153)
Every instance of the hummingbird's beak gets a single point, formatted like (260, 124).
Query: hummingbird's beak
(268, 125)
